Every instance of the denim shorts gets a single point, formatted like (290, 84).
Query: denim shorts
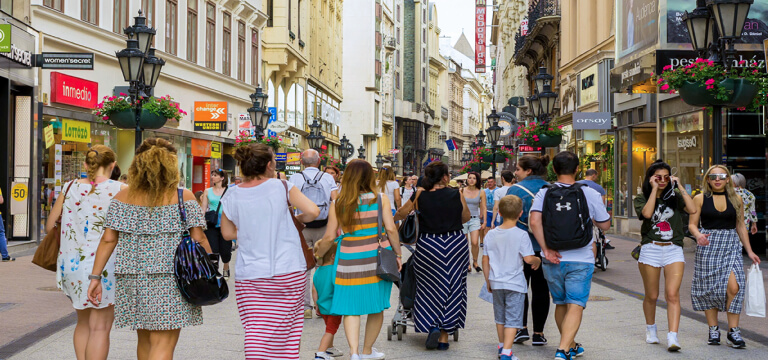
(488, 218)
(569, 281)
(660, 256)
(508, 308)
(472, 225)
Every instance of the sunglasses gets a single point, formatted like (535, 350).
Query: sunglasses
(662, 177)
(718, 176)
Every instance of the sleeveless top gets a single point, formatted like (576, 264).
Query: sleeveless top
(713, 219)
(440, 211)
(213, 203)
(473, 204)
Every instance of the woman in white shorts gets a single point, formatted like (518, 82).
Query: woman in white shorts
(475, 198)
(659, 207)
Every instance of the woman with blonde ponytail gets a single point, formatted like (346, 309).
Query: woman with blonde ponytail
(143, 227)
(83, 211)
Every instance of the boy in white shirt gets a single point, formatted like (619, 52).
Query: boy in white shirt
(506, 247)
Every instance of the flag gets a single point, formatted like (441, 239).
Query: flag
(428, 161)
(451, 144)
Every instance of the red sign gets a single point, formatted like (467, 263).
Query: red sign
(528, 148)
(73, 91)
(480, 36)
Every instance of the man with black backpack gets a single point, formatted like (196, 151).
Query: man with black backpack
(321, 189)
(562, 219)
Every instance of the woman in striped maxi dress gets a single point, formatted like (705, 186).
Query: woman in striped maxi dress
(442, 257)
(358, 290)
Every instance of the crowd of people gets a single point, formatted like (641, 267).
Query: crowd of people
(118, 242)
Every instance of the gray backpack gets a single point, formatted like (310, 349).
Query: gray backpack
(314, 191)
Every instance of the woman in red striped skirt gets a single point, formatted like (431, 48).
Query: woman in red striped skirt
(270, 271)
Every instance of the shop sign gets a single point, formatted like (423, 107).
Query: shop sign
(527, 148)
(207, 173)
(293, 158)
(48, 135)
(278, 126)
(17, 55)
(76, 131)
(588, 88)
(20, 196)
(71, 61)
(677, 58)
(644, 149)
(5, 38)
(272, 118)
(281, 157)
(592, 121)
(686, 143)
(73, 91)
(480, 36)
(215, 150)
(210, 115)
(201, 148)
(524, 27)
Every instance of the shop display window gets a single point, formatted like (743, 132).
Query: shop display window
(622, 188)
(644, 153)
(683, 148)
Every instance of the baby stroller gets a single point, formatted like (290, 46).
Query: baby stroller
(404, 314)
(601, 261)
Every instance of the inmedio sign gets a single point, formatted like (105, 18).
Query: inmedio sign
(592, 121)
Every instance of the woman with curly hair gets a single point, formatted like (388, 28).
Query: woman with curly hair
(143, 228)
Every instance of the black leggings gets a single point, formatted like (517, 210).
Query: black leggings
(540, 292)
(219, 245)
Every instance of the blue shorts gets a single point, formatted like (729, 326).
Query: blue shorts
(569, 282)
(488, 217)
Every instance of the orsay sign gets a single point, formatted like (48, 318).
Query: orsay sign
(592, 121)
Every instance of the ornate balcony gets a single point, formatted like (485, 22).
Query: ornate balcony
(389, 43)
(543, 29)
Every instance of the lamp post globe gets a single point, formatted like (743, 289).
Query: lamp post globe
(152, 67)
(131, 60)
(315, 139)
(141, 32)
(480, 138)
(700, 27)
(730, 16)
(361, 152)
(344, 141)
(547, 100)
(541, 79)
(493, 117)
(379, 161)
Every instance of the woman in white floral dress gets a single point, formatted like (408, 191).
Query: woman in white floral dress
(83, 211)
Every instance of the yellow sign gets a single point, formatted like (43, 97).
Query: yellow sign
(77, 131)
(293, 158)
(19, 192)
(215, 150)
(48, 134)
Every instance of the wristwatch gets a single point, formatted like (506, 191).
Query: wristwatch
(94, 277)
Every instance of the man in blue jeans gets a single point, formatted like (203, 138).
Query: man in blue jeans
(3, 242)
(568, 272)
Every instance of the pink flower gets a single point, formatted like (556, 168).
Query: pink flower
(106, 118)
(754, 71)
(668, 67)
(660, 81)
(709, 82)
(742, 62)
(665, 87)
(741, 108)
(111, 98)
(710, 63)
(122, 94)
(323, 147)
(560, 127)
(710, 87)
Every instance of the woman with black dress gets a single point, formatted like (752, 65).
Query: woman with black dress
(718, 273)
(441, 291)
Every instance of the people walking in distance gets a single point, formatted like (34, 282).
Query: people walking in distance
(386, 183)
(357, 289)
(659, 207)
(590, 179)
(408, 189)
(530, 172)
(335, 173)
(750, 215)
(562, 218)
(474, 197)
(212, 204)
(506, 251)
(270, 271)
(323, 282)
(490, 188)
(321, 188)
(82, 212)
(237, 181)
(3, 241)
(145, 218)
(718, 272)
(507, 178)
(442, 257)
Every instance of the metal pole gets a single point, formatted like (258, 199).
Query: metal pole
(717, 134)
(493, 161)
(134, 91)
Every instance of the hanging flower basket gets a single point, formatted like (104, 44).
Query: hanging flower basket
(155, 112)
(548, 141)
(127, 120)
(538, 135)
(739, 93)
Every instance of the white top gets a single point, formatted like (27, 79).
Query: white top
(406, 193)
(505, 249)
(499, 193)
(327, 181)
(597, 212)
(268, 243)
(392, 186)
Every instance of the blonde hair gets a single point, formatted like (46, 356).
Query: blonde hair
(510, 207)
(154, 171)
(98, 156)
(386, 173)
(730, 191)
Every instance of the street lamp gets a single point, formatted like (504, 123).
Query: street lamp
(152, 67)
(346, 150)
(257, 112)
(535, 105)
(547, 100)
(361, 152)
(315, 138)
(541, 79)
(467, 158)
(494, 132)
(379, 161)
(480, 139)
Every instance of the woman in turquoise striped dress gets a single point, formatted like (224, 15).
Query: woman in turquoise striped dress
(357, 289)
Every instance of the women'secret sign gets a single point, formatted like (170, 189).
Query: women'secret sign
(73, 91)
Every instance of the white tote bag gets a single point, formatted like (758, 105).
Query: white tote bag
(755, 292)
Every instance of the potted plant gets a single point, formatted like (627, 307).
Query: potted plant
(538, 135)
(275, 142)
(476, 166)
(119, 111)
(244, 138)
(704, 83)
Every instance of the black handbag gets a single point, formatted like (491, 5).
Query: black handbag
(197, 276)
(386, 259)
(409, 227)
(212, 217)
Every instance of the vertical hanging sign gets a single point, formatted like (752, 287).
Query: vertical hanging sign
(480, 36)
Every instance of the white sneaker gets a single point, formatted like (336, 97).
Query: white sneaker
(672, 343)
(322, 355)
(650, 336)
(334, 352)
(375, 354)
(354, 357)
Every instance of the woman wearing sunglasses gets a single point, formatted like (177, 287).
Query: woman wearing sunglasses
(718, 273)
(659, 206)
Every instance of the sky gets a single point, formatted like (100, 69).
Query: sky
(455, 15)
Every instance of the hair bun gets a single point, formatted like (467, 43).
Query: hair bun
(544, 160)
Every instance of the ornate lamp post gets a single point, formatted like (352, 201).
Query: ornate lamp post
(379, 161)
(361, 152)
(346, 151)
(258, 112)
(140, 67)
(542, 102)
(315, 137)
(494, 132)
(714, 26)
(466, 158)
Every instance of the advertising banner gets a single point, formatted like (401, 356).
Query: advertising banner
(755, 27)
(480, 36)
(73, 91)
(637, 25)
(20, 196)
(215, 150)
(588, 86)
(592, 121)
(210, 115)
(5, 38)
(76, 131)
(201, 148)
(293, 158)
(48, 135)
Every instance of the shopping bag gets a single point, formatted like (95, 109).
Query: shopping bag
(485, 294)
(755, 292)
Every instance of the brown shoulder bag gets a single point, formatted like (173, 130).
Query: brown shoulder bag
(47, 252)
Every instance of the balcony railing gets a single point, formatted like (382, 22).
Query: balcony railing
(537, 10)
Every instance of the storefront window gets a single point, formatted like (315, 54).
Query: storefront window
(310, 108)
(280, 103)
(683, 138)
(644, 153)
(290, 105)
(622, 193)
(299, 107)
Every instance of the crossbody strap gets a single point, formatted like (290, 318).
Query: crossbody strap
(525, 189)
(182, 210)
(379, 220)
(416, 200)
(65, 198)
(221, 197)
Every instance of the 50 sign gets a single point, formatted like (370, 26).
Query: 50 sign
(20, 195)
(19, 192)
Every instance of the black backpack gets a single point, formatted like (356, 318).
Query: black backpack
(565, 217)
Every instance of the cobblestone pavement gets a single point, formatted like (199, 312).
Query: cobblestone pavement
(613, 327)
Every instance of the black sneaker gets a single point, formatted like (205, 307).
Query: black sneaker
(6, 259)
(714, 335)
(522, 336)
(734, 339)
(539, 340)
(608, 246)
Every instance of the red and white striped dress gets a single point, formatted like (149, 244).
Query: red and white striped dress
(272, 313)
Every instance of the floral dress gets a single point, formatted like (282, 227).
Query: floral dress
(750, 215)
(82, 224)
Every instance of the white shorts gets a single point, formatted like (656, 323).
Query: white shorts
(472, 225)
(660, 256)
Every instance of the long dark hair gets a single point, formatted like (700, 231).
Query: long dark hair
(668, 195)
(434, 174)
